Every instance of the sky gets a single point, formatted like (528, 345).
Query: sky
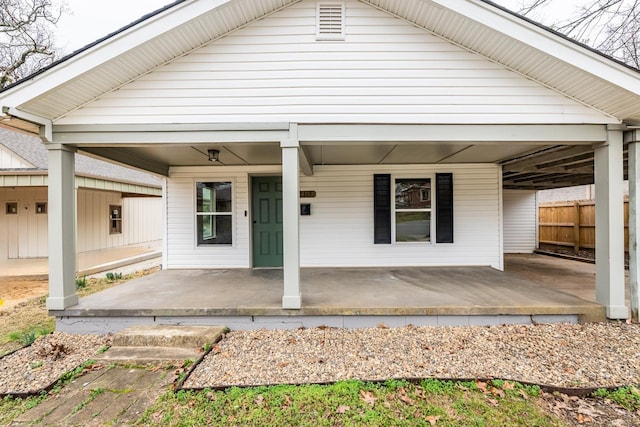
(90, 20)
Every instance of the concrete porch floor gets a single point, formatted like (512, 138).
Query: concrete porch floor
(347, 297)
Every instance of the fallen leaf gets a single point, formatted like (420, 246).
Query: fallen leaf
(343, 409)
(497, 392)
(583, 419)
(368, 397)
(283, 364)
(482, 386)
(382, 326)
(508, 385)
(406, 399)
(287, 401)
(433, 419)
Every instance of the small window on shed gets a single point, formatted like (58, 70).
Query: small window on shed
(330, 21)
(12, 208)
(115, 219)
(41, 207)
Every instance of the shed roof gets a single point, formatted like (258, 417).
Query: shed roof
(31, 149)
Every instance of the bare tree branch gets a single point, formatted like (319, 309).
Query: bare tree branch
(26, 36)
(610, 26)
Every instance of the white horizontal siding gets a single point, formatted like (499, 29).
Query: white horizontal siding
(182, 248)
(386, 71)
(520, 221)
(339, 231)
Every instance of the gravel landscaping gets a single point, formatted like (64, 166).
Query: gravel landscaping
(562, 355)
(40, 365)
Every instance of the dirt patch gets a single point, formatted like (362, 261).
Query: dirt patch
(14, 290)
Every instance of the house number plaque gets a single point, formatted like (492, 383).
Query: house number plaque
(307, 194)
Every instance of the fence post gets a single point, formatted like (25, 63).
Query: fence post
(576, 227)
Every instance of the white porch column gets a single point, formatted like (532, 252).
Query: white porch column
(291, 220)
(610, 226)
(62, 227)
(634, 223)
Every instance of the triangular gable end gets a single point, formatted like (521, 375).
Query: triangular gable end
(384, 71)
(11, 161)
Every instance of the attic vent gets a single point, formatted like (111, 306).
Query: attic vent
(330, 21)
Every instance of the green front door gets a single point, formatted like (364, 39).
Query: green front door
(267, 221)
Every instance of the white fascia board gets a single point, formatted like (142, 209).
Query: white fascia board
(108, 49)
(489, 133)
(541, 39)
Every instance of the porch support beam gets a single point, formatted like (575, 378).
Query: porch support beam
(62, 227)
(292, 298)
(610, 226)
(634, 221)
(326, 134)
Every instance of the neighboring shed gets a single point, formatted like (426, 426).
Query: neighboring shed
(102, 189)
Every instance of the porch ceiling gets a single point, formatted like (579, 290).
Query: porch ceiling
(525, 165)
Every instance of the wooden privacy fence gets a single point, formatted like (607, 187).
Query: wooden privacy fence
(573, 224)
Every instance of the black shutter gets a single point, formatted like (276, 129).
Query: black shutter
(444, 208)
(382, 208)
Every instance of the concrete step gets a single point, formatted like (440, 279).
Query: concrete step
(148, 355)
(186, 337)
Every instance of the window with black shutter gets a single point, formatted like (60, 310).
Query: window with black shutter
(407, 206)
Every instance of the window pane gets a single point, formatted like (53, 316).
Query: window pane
(115, 219)
(214, 196)
(413, 226)
(214, 230)
(413, 193)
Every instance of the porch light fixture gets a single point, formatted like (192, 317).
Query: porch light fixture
(214, 155)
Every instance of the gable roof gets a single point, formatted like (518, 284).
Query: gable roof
(32, 150)
(480, 26)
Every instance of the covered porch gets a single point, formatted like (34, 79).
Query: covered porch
(345, 297)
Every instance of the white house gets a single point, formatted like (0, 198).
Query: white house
(117, 206)
(354, 133)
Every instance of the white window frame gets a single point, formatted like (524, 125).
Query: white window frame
(213, 214)
(118, 219)
(432, 209)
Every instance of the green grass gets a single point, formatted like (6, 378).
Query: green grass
(627, 397)
(353, 403)
(11, 408)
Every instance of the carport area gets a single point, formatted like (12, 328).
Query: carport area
(533, 289)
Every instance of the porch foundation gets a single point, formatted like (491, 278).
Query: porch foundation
(340, 297)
